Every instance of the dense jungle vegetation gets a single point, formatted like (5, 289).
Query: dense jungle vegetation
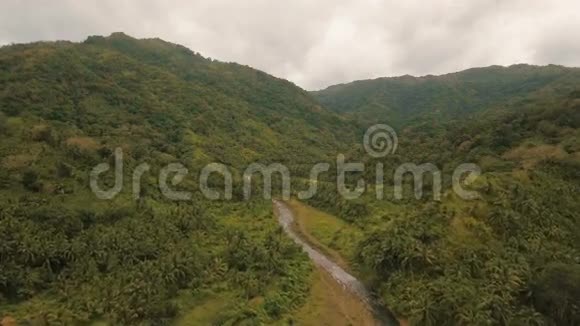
(67, 257)
(511, 257)
(405, 100)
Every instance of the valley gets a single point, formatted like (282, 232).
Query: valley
(510, 256)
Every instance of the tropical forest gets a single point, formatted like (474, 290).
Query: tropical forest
(510, 255)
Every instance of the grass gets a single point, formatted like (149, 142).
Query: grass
(336, 238)
(206, 312)
(329, 304)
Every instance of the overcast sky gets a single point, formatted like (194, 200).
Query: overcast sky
(319, 43)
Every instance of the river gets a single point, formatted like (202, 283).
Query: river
(346, 280)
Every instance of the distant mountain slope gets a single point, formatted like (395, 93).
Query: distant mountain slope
(509, 257)
(400, 100)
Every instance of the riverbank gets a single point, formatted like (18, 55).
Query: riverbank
(351, 288)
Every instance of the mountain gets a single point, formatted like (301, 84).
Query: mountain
(402, 100)
(68, 257)
(510, 256)
(159, 96)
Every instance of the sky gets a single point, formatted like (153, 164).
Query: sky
(320, 43)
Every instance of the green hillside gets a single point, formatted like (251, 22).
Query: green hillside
(134, 88)
(402, 100)
(510, 257)
(67, 257)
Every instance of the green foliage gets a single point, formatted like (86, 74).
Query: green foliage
(63, 170)
(66, 257)
(127, 266)
(509, 258)
(406, 100)
(327, 198)
(30, 181)
(556, 293)
(3, 124)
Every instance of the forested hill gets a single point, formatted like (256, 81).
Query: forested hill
(511, 257)
(68, 258)
(403, 100)
(156, 96)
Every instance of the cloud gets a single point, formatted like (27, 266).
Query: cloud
(316, 44)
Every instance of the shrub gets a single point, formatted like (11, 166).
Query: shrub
(43, 133)
(556, 293)
(63, 170)
(3, 124)
(30, 181)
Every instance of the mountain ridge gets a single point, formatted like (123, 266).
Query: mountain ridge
(402, 99)
(141, 258)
